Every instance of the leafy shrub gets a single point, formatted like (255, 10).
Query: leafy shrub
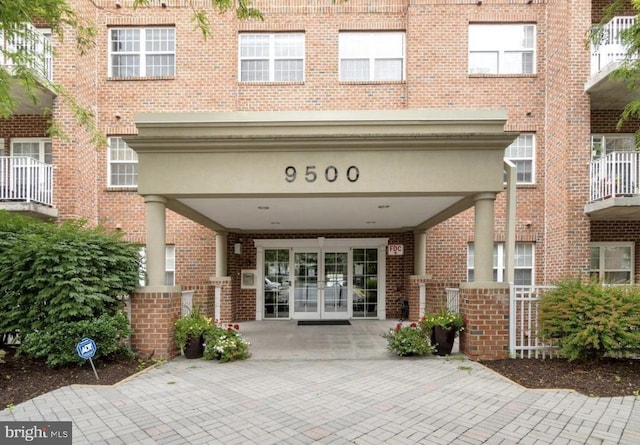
(57, 343)
(52, 274)
(591, 320)
(409, 340)
(225, 344)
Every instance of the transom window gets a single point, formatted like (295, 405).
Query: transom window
(142, 52)
(612, 263)
(271, 57)
(372, 56)
(521, 152)
(122, 164)
(502, 49)
(604, 144)
(523, 263)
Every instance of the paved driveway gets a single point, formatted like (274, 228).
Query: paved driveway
(355, 400)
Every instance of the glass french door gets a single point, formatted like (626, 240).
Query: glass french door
(320, 284)
(340, 279)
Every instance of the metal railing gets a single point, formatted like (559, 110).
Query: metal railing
(524, 337)
(23, 178)
(30, 47)
(614, 175)
(610, 47)
(453, 299)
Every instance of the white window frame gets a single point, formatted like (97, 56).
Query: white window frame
(142, 51)
(369, 46)
(2, 149)
(272, 58)
(44, 151)
(519, 160)
(600, 144)
(501, 41)
(169, 268)
(499, 261)
(602, 270)
(111, 162)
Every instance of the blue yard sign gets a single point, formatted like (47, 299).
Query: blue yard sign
(87, 349)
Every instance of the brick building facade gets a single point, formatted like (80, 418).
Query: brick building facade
(453, 55)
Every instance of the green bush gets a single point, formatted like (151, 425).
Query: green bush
(225, 344)
(57, 343)
(52, 274)
(409, 340)
(591, 320)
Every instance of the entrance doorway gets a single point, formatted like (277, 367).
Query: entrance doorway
(338, 280)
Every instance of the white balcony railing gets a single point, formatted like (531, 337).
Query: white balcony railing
(28, 46)
(614, 175)
(610, 47)
(26, 179)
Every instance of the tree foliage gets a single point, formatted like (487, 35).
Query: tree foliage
(51, 274)
(591, 320)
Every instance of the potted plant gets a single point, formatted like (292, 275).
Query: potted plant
(189, 333)
(408, 340)
(444, 326)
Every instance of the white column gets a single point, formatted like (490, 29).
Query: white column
(155, 207)
(483, 244)
(221, 254)
(510, 230)
(419, 253)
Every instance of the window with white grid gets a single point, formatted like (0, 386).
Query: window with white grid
(523, 263)
(169, 265)
(142, 52)
(372, 56)
(502, 49)
(122, 164)
(271, 57)
(36, 148)
(522, 153)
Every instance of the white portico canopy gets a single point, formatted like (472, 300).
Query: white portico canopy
(315, 171)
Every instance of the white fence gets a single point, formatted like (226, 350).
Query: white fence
(453, 299)
(186, 304)
(524, 335)
(23, 178)
(614, 175)
(610, 47)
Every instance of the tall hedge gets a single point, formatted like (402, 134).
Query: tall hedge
(65, 273)
(589, 320)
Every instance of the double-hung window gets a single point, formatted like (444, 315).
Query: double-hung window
(372, 56)
(142, 52)
(612, 263)
(521, 152)
(122, 164)
(523, 263)
(502, 49)
(169, 266)
(275, 57)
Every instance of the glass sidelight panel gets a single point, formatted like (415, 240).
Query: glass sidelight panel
(365, 283)
(305, 282)
(336, 272)
(276, 283)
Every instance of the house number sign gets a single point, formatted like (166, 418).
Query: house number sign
(331, 173)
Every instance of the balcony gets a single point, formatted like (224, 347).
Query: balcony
(614, 191)
(607, 55)
(29, 46)
(26, 186)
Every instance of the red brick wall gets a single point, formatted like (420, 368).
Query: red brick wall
(152, 319)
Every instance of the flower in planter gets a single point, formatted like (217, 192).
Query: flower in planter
(444, 319)
(408, 340)
(191, 327)
(225, 343)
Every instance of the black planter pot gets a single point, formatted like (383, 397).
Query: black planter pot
(194, 348)
(443, 339)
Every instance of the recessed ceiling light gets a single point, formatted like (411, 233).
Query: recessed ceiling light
(275, 222)
(383, 206)
(371, 222)
(263, 207)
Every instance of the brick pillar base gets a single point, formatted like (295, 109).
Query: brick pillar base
(485, 307)
(224, 310)
(153, 313)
